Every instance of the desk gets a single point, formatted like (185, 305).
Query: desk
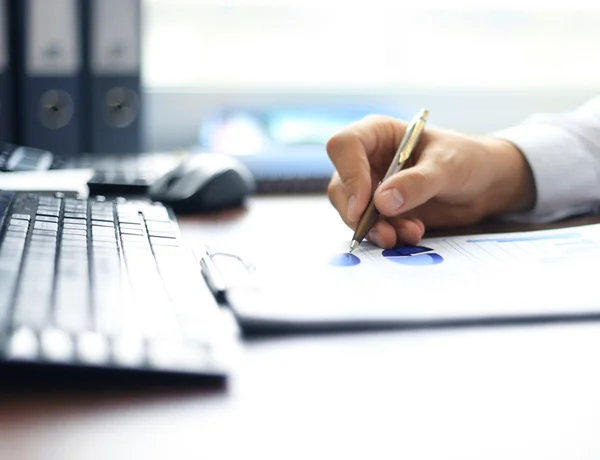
(496, 393)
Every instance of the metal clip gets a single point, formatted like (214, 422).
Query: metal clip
(214, 276)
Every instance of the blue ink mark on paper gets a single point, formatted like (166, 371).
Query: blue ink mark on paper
(344, 260)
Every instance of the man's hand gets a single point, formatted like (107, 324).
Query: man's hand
(450, 180)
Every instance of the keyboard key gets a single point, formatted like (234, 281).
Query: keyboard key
(92, 348)
(96, 244)
(19, 223)
(134, 239)
(104, 231)
(104, 239)
(73, 242)
(41, 250)
(129, 219)
(50, 201)
(42, 237)
(22, 345)
(8, 279)
(129, 350)
(49, 205)
(156, 213)
(80, 226)
(102, 218)
(80, 237)
(158, 241)
(124, 226)
(158, 234)
(17, 230)
(46, 211)
(13, 240)
(37, 231)
(56, 346)
(25, 207)
(74, 231)
(71, 221)
(75, 208)
(130, 231)
(26, 217)
(41, 225)
(114, 311)
(76, 215)
(72, 310)
(46, 219)
(103, 223)
(32, 308)
(34, 293)
(12, 247)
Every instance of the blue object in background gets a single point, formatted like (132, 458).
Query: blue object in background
(284, 144)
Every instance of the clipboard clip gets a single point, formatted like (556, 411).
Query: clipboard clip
(238, 271)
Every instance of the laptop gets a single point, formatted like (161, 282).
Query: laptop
(105, 285)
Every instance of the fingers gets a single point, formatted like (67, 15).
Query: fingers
(339, 199)
(404, 230)
(352, 152)
(409, 188)
(409, 230)
(383, 234)
(360, 154)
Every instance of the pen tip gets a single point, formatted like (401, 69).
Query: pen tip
(423, 114)
(353, 245)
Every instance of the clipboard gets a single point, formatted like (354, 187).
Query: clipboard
(541, 287)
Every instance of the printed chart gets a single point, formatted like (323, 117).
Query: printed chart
(412, 255)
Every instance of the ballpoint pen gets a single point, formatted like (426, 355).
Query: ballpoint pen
(407, 145)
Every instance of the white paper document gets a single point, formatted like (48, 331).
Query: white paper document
(59, 180)
(533, 275)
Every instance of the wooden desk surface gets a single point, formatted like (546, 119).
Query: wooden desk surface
(492, 393)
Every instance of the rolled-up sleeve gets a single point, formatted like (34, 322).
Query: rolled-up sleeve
(563, 151)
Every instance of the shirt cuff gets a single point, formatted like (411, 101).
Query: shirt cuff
(564, 171)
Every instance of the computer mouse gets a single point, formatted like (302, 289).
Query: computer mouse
(204, 182)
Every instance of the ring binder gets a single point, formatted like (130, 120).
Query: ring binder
(50, 72)
(114, 76)
(6, 76)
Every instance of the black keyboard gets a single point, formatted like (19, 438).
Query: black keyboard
(104, 284)
(19, 158)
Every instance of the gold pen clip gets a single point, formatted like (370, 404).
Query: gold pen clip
(418, 124)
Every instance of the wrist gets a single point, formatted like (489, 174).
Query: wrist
(512, 185)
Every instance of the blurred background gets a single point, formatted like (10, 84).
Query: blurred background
(212, 67)
(270, 81)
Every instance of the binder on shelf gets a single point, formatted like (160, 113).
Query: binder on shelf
(50, 70)
(6, 76)
(114, 72)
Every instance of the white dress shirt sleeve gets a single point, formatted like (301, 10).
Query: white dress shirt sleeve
(563, 150)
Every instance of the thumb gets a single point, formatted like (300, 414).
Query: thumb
(408, 189)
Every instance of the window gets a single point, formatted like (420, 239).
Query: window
(210, 53)
(215, 44)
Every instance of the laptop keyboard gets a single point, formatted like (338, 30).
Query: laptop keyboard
(103, 283)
